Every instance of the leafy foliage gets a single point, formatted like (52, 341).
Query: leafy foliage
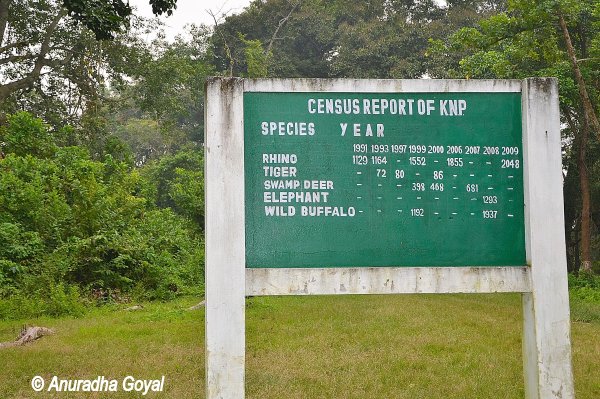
(585, 286)
(101, 17)
(105, 18)
(177, 182)
(315, 38)
(24, 135)
(163, 112)
(70, 225)
(54, 67)
(256, 58)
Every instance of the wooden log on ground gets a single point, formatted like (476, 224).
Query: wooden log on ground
(28, 334)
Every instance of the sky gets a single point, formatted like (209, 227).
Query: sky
(190, 11)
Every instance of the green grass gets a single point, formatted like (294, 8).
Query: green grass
(410, 346)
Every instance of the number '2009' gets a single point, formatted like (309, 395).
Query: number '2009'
(510, 150)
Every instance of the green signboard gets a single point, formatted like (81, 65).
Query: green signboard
(383, 179)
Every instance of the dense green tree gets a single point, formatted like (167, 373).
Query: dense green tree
(56, 68)
(177, 182)
(23, 135)
(315, 38)
(162, 110)
(107, 17)
(297, 36)
(170, 86)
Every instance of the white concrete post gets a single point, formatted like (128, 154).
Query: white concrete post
(546, 333)
(225, 240)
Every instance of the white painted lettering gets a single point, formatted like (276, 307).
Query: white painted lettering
(280, 171)
(318, 185)
(366, 106)
(329, 106)
(282, 184)
(280, 211)
(280, 158)
(410, 102)
(430, 106)
(375, 106)
(295, 196)
(288, 128)
(462, 107)
(327, 211)
(443, 110)
(344, 126)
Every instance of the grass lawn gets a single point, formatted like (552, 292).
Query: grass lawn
(409, 346)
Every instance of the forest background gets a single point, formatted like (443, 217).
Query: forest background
(101, 130)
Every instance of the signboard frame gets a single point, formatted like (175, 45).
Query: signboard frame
(542, 283)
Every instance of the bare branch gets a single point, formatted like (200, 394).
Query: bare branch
(16, 58)
(588, 59)
(13, 45)
(281, 23)
(227, 48)
(45, 48)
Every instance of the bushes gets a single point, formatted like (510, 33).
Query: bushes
(585, 286)
(18, 249)
(156, 256)
(54, 300)
(25, 135)
(584, 293)
(73, 229)
(177, 182)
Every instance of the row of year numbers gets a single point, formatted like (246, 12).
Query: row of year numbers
(399, 149)
(434, 149)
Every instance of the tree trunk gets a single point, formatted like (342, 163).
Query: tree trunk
(584, 182)
(577, 255)
(33, 76)
(590, 120)
(588, 108)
